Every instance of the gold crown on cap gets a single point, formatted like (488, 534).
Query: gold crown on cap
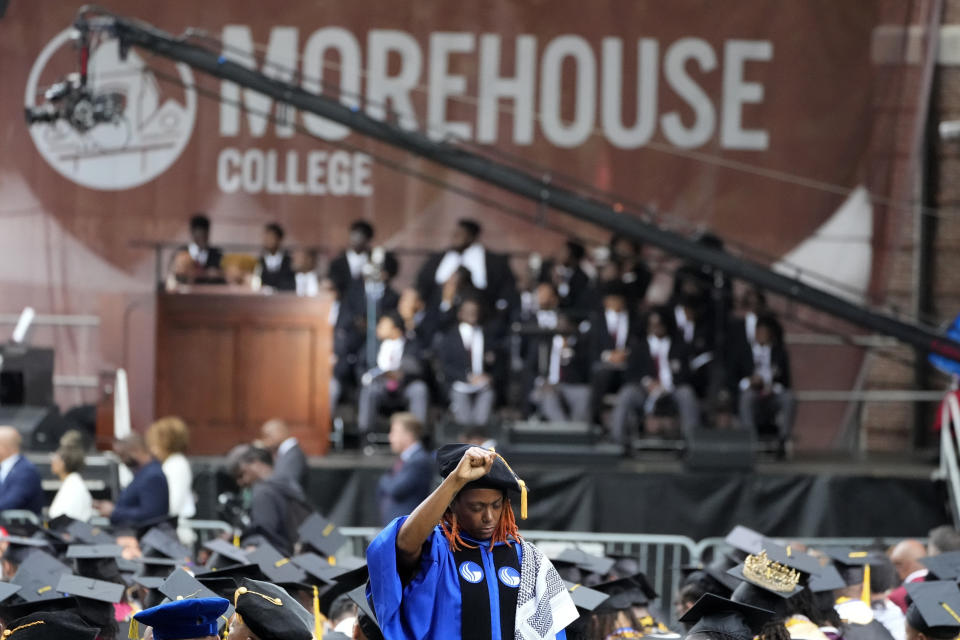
(770, 574)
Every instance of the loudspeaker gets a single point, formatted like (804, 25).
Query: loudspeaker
(26, 376)
(39, 427)
(720, 450)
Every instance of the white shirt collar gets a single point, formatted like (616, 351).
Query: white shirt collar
(916, 575)
(273, 261)
(286, 445)
(7, 465)
(198, 254)
(473, 258)
(356, 261)
(409, 451)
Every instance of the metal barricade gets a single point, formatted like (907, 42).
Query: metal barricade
(707, 549)
(660, 557)
(19, 516)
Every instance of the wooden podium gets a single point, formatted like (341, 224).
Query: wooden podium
(228, 361)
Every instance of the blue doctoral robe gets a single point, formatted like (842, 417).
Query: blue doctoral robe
(429, 606)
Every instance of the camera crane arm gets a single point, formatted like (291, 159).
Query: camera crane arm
(136, 33)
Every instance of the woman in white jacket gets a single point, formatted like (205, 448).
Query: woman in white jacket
(168, 439)
(72, 499)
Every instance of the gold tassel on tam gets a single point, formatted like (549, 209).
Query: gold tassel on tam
(318, 618)
(523, 499)
(134, 632)
(865, 594)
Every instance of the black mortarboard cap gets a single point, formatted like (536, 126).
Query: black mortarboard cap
(321, 535)
(149, 582)
(366, 617)
(57, 625)
(768, 576)
(93, 551)
(86, 533)
(224, 554)
(829, 579)
(599, 565)
(272, 613)
(318, 567)
(166, 523)
(729, 618)
(850, 562)
(745, 539)
(275, 565)
(165, 543)
(792, 557)
(585, 598)
(343, 583)
(222, 586)
(8, 590)
(81, 587)
(38, 574)
(236, 573)
(945, 566)
(935, 608)
(180, 585)
(632, 591)
(500, 476)
(19, 548)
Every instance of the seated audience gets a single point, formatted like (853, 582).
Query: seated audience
(612, 337)
(765, 394)
(289, 461)
(274, 265)
(408, 482)
(658, 382)
(73, 499)
(467, 356)
(396, 381)
(19, 481)
(167, 439)
(147, 497)
(557, 362)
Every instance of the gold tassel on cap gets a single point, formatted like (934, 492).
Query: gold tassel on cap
(521, 484)
(523, 499)
(134, 632)
(318, 618)
(865, 594)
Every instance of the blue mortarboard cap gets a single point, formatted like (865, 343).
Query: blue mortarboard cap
(189, 618)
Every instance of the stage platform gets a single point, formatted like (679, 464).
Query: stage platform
(817, 496)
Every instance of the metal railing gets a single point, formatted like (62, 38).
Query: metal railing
(949, 441)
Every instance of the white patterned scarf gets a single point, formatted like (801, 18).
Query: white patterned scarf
(544, 606)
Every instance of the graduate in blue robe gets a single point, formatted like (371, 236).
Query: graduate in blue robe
(453, 568)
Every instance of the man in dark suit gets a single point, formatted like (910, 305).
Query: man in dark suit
(765, 394)
(657, 380)
(467, 357)
(346, 269)
(407, 484)
(19, 481)
(396, 380)
(206, 259)
(490, 274)
(289, 461)
(275, 265)
(612, 335)
(147, 496)
(572, 283)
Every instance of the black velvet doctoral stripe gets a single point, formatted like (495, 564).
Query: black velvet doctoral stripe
(504, 556)
(475, 621)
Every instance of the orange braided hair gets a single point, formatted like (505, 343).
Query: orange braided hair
(506, 530)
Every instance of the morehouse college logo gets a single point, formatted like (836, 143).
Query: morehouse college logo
(144, 143)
